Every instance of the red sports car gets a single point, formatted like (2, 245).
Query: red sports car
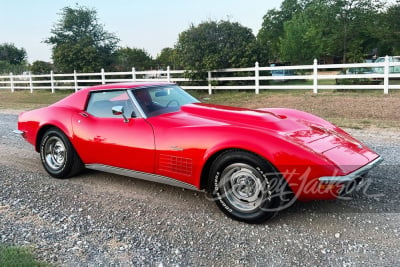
(251, 162)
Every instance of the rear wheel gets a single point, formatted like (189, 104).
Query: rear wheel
(58, 156)
(244, 186)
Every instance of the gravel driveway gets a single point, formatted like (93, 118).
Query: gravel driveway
(98, 219)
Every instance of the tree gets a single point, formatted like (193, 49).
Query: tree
(80, 42)
(336, 28)
(304, 39)
(41, 67)
(353, 34)
(6, 68)
(269, 36)
(388, 31)
(215, 45)
(126, 58)
(11, 54)
(272, 30)
(166, 58)
(12, 59)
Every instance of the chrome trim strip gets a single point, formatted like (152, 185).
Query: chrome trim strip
(352, 176)
(141, 175)
(18, 132)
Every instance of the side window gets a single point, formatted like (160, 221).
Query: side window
(100, 104)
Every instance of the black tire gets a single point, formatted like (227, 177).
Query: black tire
(245, 186)
(58, 156)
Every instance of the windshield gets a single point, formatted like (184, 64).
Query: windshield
(161, 99)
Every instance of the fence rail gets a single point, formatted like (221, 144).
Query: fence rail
(376, 75)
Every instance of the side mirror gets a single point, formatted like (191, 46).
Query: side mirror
(118, 111)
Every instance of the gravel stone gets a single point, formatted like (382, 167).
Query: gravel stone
(99, 219)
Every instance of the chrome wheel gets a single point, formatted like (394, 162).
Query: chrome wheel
(244, 187)
(55, 153)
(58, 156)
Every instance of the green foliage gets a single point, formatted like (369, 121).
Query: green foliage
(354, 33)
(11, 54)
(12, 59)
(269, 36)
(305, 29)
(303, 39)
(126, 58)
(166, 58)
(14, 256)
(297, 32)
(294, 44)
(215, 45)
(390, 35)
(7, 68)
(41, 67)
(80, 43)
(272, 30)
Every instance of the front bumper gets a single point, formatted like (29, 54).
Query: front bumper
(18, 132)
(351, 176)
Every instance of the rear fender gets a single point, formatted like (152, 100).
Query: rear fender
(45, 127)
(62, 122)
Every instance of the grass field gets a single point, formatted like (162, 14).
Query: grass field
(353, 109)
(15, 256)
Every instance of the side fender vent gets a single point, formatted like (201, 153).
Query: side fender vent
(175, 164)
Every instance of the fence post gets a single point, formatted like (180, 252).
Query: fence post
(134, 74)
(12, 82)
(386, 76)
(315, 77)
(75, 81)
(257, 78)
(30, 82)
(52, 81)
(103, 77)
(168, 74)
(209, 83)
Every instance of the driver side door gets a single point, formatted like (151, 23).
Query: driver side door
(100, 137)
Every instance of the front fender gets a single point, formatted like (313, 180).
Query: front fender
(297, 164)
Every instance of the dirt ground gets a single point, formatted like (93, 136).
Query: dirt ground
(351, 109)
(344, 109)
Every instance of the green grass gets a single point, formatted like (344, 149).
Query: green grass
(23, 99)
(19, 257)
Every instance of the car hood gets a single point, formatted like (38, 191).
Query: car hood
(301, 128)
(281, 121)
(234, 115)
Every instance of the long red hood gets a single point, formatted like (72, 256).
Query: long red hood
(304, 129)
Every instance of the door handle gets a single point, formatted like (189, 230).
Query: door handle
(98, 138)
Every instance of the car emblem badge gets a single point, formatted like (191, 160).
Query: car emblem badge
(176, 148)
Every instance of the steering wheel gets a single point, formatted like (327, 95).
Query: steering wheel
(173, 101)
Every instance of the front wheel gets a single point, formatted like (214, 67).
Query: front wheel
(245, 186)
(58, 156)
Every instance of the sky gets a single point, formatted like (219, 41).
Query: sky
(146, 24)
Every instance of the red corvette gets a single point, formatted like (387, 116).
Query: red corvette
(250, 161)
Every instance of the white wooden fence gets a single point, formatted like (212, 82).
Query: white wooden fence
(253, 78)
